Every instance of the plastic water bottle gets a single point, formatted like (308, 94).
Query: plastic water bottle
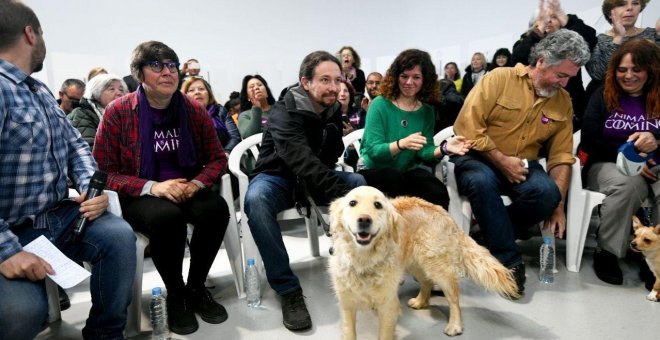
(253, 289)
(158, 314)
(547, 261)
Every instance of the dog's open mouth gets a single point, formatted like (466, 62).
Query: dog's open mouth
(363, 238)
(633, 248)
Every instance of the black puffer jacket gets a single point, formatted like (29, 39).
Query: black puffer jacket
(85, 119)
(298, 142)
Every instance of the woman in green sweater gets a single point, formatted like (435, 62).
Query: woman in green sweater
(256, 101)
(398, 133)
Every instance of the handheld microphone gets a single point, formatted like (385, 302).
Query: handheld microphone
(95, 189)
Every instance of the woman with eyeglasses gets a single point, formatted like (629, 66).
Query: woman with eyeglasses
(200, 90)
(350, 63)
(99, 92)
(162, 156)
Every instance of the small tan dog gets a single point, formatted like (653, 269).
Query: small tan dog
(376, 239)
(647, 240)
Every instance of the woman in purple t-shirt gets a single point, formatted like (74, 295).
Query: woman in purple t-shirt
(627, 108)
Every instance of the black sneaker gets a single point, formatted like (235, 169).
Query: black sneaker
(606, 266)
(65, 303)
(201, 302)
(180, 317)
(294, 312)
(519, 275)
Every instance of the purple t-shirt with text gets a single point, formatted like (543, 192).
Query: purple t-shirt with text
(166, 143)
(630, 119)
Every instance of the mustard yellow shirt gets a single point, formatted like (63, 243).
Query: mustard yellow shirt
(501, 113)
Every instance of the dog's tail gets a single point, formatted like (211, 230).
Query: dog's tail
(485, 270)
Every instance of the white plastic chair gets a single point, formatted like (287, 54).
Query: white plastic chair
(354, 138)
(581, 203)
(250, 249)
(232, 246)
(134, 319)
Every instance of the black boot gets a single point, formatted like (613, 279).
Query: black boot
(606, 266)
(180, 317)
(202, 302)
(65, 303)
(294, 311)
(519, 275)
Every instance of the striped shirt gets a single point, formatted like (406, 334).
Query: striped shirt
(38, 150)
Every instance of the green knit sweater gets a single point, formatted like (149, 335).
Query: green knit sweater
(384, 126)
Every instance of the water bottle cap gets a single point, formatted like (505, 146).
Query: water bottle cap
(155, 291)
(250, 262)
(547, 240)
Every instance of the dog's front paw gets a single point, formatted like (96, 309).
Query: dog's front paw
(453, 330)
(653, 296)
(417, 303)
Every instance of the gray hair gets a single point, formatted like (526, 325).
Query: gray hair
(560, 45)
(72, 82)
(99, 83)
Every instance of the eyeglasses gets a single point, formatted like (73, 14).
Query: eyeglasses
(73, 100)
(157, 66)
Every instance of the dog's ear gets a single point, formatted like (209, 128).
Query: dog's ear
(636, 223)
(656, 230)
(336, 208)
(394, 219)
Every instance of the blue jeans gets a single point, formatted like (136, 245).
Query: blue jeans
(108, 245)
(533, 201)
(267, 195)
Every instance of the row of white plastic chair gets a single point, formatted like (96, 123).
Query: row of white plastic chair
(240, 245)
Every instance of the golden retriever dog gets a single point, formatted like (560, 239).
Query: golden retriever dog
(376, 239)
(647, 240)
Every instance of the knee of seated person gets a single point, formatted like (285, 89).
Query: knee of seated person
(477, 181)
(121, 233)
(355, 180)
(23, 320)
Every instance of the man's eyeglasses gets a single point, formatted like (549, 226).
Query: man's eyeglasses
(75, 102)
(157, 66)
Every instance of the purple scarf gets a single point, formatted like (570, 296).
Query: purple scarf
(176, 109)
(215, 117)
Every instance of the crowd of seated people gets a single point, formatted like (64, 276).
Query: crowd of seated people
(163, 139)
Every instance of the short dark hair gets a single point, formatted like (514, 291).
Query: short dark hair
(407, 60)
(609, 5)
(312, 60)
(72, 82)
(14, 16)
(150, 51)
(245, 102)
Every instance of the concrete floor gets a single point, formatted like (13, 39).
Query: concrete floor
(576, 306)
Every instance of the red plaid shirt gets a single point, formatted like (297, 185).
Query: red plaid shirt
(117, 147)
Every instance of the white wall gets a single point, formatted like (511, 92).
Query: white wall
(271, 37)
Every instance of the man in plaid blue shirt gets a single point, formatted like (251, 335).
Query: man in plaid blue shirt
(39, 149)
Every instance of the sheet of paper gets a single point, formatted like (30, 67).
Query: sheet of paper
(67, 272)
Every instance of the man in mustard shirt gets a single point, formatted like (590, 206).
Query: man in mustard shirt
(510, 115)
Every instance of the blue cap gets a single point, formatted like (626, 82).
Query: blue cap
(547, 240)
(250, 262)
(155, 291)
